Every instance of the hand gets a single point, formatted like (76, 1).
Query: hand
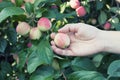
(85, 40)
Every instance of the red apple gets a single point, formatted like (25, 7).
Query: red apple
(35, 33)
(74, 4)
(62, 40)
(44, 24)
(1, 0)
(81, 11)
(107, 26)
(29, 44)
(23, 28)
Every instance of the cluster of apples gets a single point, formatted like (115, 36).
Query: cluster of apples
(43, 24)
(80, 10)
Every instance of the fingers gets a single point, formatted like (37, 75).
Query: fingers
(69, 28)
(65, 52)
(52, 35)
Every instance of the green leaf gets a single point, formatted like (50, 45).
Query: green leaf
(12, 35)
(62, 7)
(64, 63)
(86, 75)
(22, 55)
(5, 68)
(10, 11)
(19, 2)
(2, 76)
(114, 78)
(99, 5)
(82, 64)
(21, 76)
(55, 65)
(114, 69)
(3, 44)
(42, 2)
(116, 26)
(43, 73)
(114, 20)
(33, 62)
(5, 4)
(55, 14)
(115, 10)
(102, 17)
(29, 8)
(97, 59)
(38, 14)
(19, 18)
(87, 7)
(42, 55)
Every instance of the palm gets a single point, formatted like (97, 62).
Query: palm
(84, 46)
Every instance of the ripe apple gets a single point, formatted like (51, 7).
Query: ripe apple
(62, 40)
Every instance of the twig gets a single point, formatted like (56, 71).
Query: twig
(116, 13)
(64, 76)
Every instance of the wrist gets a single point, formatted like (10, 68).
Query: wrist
(104, 40)
(101, 40)
(110, 41)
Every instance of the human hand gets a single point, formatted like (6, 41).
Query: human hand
(85, 40)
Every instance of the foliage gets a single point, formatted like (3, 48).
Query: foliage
(39, 62)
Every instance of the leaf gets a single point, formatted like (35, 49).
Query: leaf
(21, 76)
(55, 65)
(62, 7)
(33, 62)
(115, 10)
(102, 17)
(99, 5)
(82, 64)
(64, 63)
(43, 73)
(114, 78)
(38, 14)
(12, 35)
(29, 8)
(42, 55)
(19, 2)
(97, 59)
(87, 7)
(115, 20)
(5, 4)
(55, 14)
(116, 26)
(42, 2)
(10, 11)
(22, 55)
(3, 45)
(114, 69)
(5, 68)
(86, 75)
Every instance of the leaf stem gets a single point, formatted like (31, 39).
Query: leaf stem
(108, 77)
(64, 76)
